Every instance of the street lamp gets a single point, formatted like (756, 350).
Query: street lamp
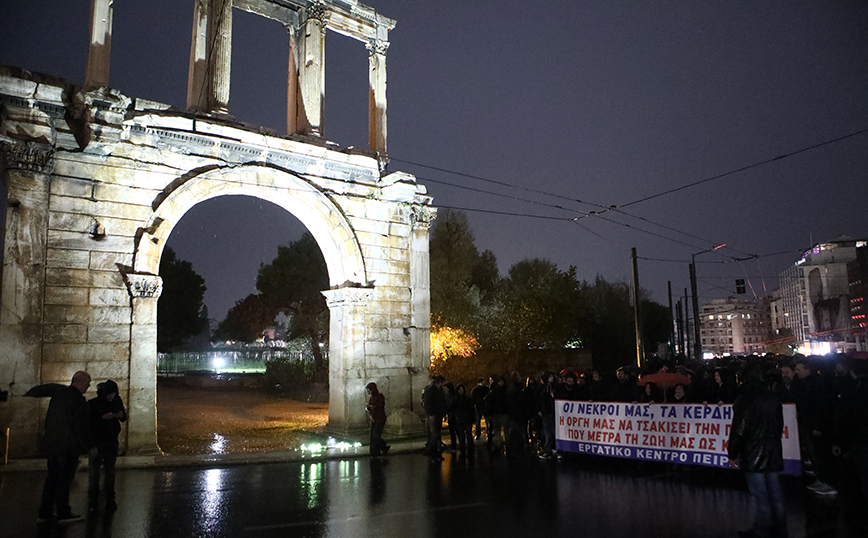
(697, 343)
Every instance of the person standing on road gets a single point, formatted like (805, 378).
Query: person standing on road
(67, 436)
(755, 448)
(478, 395)
(435, 409)
(106, 414)
(376, 408)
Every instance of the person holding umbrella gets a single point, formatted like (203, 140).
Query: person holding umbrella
(67, 436)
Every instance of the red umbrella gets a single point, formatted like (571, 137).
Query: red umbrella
(665, 379)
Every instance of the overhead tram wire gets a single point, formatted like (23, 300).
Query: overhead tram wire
(743, 168)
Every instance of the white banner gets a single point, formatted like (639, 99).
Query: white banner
(693, 434)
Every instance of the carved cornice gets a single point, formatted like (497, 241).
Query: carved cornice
(348, 296)
(37, 158)
(421, 216)
(377, 46)
(143, 286)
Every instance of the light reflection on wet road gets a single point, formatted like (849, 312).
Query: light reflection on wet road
(405, 496)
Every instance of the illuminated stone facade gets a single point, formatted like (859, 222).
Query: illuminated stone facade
(96, 181)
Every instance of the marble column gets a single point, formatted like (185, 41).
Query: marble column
(311, 72)
(26, 169)
(377, 95)
(347, 357)
(142, 405)
(99, 54)
(210, 57)
(292, 82)
(420, 308)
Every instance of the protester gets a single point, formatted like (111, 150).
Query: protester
(755, 448)
(464, 413)
(624, 390)
(106, 414)
(518, 410)
(376, 408)
(814, 418)
(851, 424)
(478, 395)
(499, 413)
(434, 402)
(546, 412)
(67, 436)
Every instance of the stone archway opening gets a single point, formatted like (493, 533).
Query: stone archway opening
(257, 391)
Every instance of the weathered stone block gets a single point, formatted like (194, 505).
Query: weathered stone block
(108, 333)
(84, 353)
(109, 297)
(60, 372)
(85, 241)
(114, 370)
(111, 315)
(65, 296)
(109, 261)
(65, 333)
(67, 258)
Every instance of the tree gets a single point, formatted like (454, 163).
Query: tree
(181, 314)
(461, 279)
(294, 281)
(247, 319)
(541, 306)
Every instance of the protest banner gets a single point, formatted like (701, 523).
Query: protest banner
(691, 434)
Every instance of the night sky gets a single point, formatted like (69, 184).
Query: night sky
(579, 105)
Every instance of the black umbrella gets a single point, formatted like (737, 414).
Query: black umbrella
(45, 391)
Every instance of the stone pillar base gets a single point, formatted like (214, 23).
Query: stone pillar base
(403, 423)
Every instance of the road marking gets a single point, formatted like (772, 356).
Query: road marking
(355, 518)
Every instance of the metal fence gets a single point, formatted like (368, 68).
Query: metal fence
(226, 361)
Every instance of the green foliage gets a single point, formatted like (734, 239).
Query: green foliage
(541, 306)
(247, 319)
(289, 375)
(462, 280)
(294, 282)
(181, 315)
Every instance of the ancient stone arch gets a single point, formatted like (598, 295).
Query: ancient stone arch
(312, 207)
(95, 181)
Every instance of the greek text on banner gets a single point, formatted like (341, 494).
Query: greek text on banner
(695, 434)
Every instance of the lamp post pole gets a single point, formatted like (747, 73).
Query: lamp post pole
(697, 338)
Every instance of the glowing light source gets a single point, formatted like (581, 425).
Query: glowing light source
(218, 362)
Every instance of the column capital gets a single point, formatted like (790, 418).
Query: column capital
(377, 46)
(37, 158)
(421, 216)
(348, 296)
(143, 286)
(318, 11)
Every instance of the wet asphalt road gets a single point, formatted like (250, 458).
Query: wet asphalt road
(407, 497)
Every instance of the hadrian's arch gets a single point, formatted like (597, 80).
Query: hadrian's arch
(95, 181)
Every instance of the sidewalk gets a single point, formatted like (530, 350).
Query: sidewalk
(403, 446)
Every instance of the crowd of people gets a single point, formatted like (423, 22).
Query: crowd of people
(514, 414)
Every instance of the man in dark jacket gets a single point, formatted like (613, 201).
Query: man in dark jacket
(478, 395)
(376, 408)
(67, 436)
(435, 409)
(755, 448)
(106, 414)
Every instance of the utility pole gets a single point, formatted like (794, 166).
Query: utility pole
(697, 346)
(671, 323)
(687, 345)
(679, 321)
(697, 339)
(640, 359)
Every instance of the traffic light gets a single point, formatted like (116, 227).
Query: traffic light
(739, 286)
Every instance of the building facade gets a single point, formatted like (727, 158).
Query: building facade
(814, 297)
(735, 326)
(857, 276)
